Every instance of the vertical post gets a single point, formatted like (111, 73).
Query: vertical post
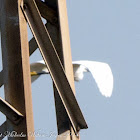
(16, 67)
(64, 31)
(61, 40)
(65, 38)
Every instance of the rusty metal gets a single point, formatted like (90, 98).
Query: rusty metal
(32, 48)
(1, 78)
(54, 65)
(55, 49)
(63, 123)
(47, 12)
(16, 67)
(10, 112)
(3, 130)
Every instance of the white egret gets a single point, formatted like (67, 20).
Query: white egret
(37, 69)
(100, 71)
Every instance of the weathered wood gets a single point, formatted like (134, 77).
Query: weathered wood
(15, 56)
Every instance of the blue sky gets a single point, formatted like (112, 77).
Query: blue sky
(108, 31)
(105, 31)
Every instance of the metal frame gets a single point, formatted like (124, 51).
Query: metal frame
(3, 130)
(16, 70)
(54, 64)
(54, 45)
(61, 40)
(10, 112)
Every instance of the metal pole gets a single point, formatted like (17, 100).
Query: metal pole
(16, 68)
(63, 122)
(54, 65)
(66, 49)
(61, 40)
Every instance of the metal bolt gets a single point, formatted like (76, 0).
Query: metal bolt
(15, 117)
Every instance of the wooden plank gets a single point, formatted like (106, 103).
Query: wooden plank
(54, 65)
(17, 80)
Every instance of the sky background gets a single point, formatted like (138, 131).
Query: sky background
(105, 31)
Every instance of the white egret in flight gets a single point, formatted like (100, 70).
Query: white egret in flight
(100, 71)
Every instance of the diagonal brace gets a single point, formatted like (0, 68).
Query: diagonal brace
(54, 65)
(3, 130)
(47, 12)
(1, 78)
(10, 112)
(32, 47)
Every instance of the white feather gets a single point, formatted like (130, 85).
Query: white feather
(38, 66)
(101, 72)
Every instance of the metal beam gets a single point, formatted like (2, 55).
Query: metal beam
(3, 130)
(65, 131)
(32, 48)
(63, 123)
(16, 67)
(10, 112)
(54, 65)
(47, 12)
(64, 31)
(52, 3)
(1, 78)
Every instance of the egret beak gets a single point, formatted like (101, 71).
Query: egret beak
(34, 73)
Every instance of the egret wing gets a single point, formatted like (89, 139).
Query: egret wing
(102, 74)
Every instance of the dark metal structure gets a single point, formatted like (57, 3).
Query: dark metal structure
(53, 41)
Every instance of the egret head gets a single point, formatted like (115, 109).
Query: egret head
(79, 72)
